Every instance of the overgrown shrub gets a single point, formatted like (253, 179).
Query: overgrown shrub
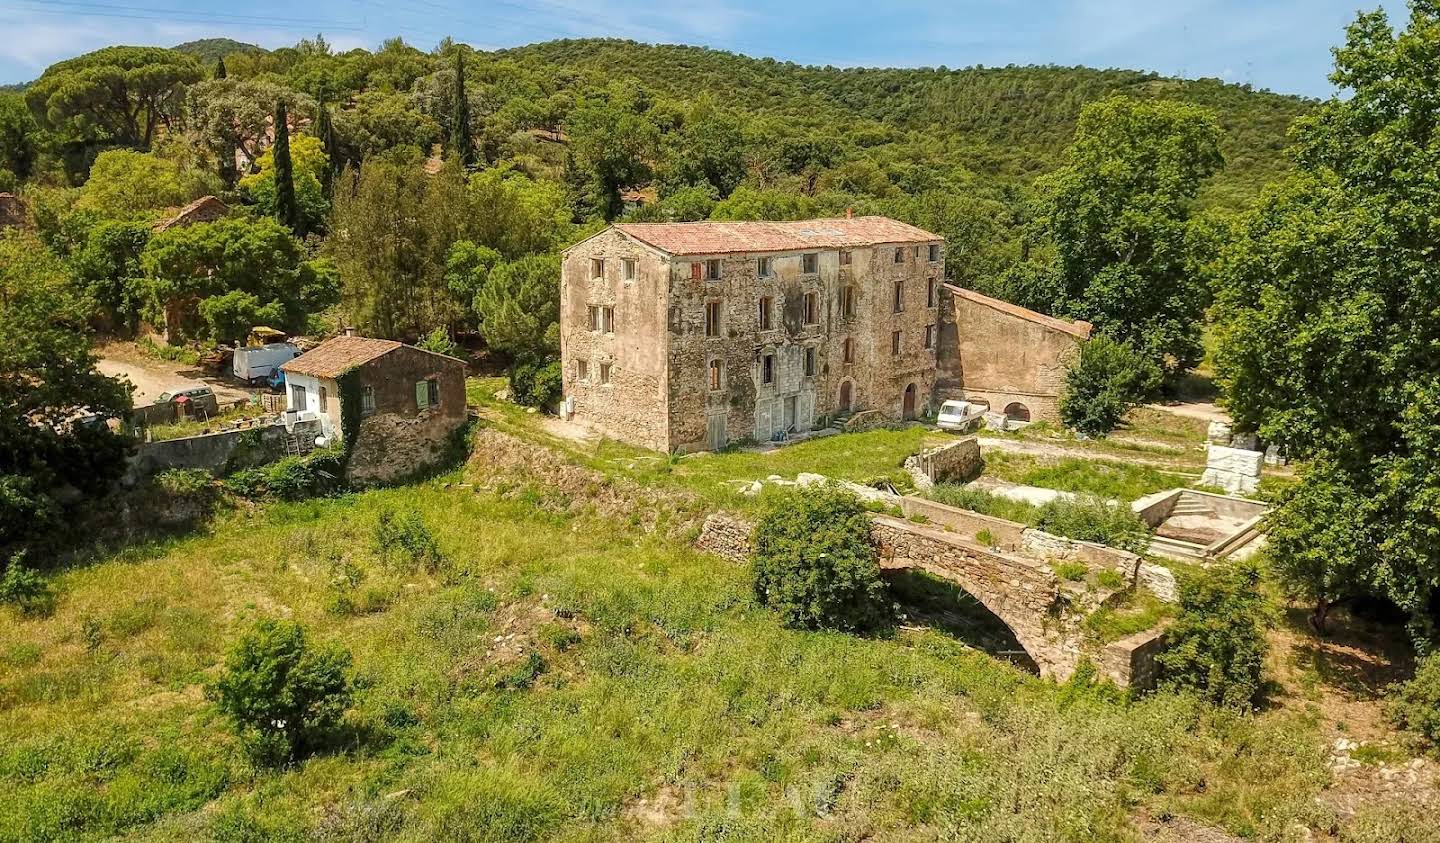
(1216, 647)
(1104, 382)
(183, 482)
(1096, 520)
(283, 696)
(815, 565)
(405, 541)
(292, 478)
(440, 342)
(536, 383)
(1415, 705)
(24, 588)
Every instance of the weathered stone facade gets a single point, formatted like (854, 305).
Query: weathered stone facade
(660, 318)
(959, 460)
(1003, 355)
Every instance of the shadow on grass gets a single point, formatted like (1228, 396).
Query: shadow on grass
(1362, 653)
(930, 601)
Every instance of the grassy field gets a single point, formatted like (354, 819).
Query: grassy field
(564, 676)
(1108, 479)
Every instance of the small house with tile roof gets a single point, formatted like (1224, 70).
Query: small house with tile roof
(396, 406)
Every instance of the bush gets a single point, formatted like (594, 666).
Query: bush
(536, 383)
(292, 478)
(24, 588)
(283, 696)
(1089, 519)
(439, 341)
(814, 563)
(1216, 647)
(1415, 705)
(404, 540)
(1103, 384)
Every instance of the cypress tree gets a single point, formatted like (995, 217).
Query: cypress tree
(220, 68)
(462, 145)
(325, 133)
(286, 208)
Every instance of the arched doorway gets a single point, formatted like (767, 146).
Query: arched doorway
(1017, 412)
(907, 406)
(847, 396)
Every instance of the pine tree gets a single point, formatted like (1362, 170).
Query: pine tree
(220, 68)
(462, 144)
(287, 210)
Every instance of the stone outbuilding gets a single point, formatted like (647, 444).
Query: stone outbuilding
(204, 209)
(1002, 355)
(688, 336)
(12, 211)
(406, 402)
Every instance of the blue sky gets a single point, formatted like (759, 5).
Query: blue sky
(1283, 45)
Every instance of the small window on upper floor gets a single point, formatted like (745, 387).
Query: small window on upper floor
(712, 269)
(934, 252)
(899, 254)
(762, 267)
(367, 400)
(810, 264)
(847, 302)
(717, 375)
(597, 268)
(627, 269)
(602, 319)
(929, 336)
(582, 371)
(844, 257)
(899, 301)
(915, 252)
(810, 361)
(604, 372)
(930, 292)
(895, 343)
(767, 369)
(812, 308)
(849, 352)
(767, 307)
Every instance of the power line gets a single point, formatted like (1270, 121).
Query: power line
(70, 8)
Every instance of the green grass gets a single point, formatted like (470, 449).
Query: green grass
(1120, 481)
(196, 427)
(1135, 611)
(564, 676)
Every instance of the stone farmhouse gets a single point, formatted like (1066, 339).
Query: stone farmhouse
(689, 336)
(406, 402)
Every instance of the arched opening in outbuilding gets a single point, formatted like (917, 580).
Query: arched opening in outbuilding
(1017, 412)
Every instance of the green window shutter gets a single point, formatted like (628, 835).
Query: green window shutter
(422, 395)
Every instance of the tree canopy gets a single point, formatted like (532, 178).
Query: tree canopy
(115, 94)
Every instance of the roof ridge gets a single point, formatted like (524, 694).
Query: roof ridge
(1078, 328)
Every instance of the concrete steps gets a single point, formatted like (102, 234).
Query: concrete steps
(1175, 549)
(1186, 506)
(837, 422)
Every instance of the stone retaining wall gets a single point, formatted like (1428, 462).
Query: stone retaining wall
(958, 460)
(726, 536)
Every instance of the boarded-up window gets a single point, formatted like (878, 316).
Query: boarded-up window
(899, 303)
(929, 336)
(697, 271)
(844, 257)
(810, 264)
(847, 302)
(712, 319)
(582, 370)
(812, 308)
(766, 313)
(717, 374)
(895, 343)
(604, 372)
(930, 292)
(849, 350)
(367, 400)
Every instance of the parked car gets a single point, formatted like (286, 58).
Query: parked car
(200, 399)
(959, 416)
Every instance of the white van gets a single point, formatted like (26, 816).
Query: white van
(256, 362)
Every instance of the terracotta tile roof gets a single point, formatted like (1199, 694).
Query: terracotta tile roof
(204, 209)
(334, 357)
(1077, 328)
(720, 238)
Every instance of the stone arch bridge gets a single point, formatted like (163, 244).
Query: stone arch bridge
(1044, 612)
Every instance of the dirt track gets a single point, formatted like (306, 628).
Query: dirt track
(152, 377)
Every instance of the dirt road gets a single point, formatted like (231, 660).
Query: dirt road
(151, 377)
